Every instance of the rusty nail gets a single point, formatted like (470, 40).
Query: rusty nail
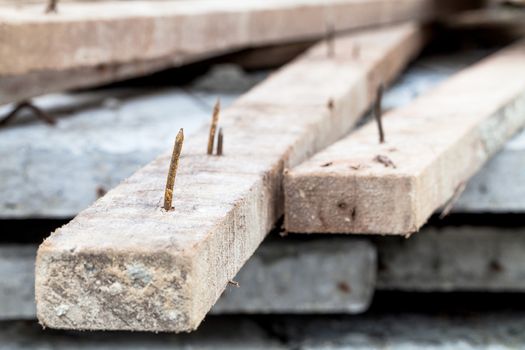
(213, 126)
(174, 164)
(378, 113)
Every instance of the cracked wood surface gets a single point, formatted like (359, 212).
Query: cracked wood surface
(433, 146)
(124, 263)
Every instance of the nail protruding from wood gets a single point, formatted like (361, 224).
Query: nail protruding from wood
(213, 126)
(378, 113)
(172, 173)
(234, 283)
(330, 104)
(330, 45)
(220, 140)
(51, 6)
(34, 109)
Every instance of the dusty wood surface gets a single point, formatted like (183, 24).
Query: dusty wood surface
(88, 43)
(124, 263)
(321, 276)
(433, 146)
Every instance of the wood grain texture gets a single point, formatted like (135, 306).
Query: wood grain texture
(87, 34)
(124, 263)
(434, 145)
(150, 35)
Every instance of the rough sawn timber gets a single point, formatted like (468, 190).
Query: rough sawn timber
(124, 263)
(87, 43)
(340, 278)
(433, 146)
(88, 34)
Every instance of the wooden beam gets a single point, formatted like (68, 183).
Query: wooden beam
(87, 43)
(340, 278)
(125, 263)
(433, 146)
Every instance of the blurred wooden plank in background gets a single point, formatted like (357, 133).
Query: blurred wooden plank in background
(88, 43)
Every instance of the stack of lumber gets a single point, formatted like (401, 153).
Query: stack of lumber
(315, 144)
(225, 205)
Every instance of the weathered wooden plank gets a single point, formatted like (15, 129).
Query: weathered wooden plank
(328, 275)
(126, 264)
(320, 276)
(68, 39)
(85, 42)
(433, 146)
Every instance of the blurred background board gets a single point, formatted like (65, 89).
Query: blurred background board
(83, 43)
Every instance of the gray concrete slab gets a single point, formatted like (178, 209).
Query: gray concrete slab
(318, 276)
(490, 330)
(454, 259)
(214, 334)
(410, 331)
(17, 280)
(500, 186)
